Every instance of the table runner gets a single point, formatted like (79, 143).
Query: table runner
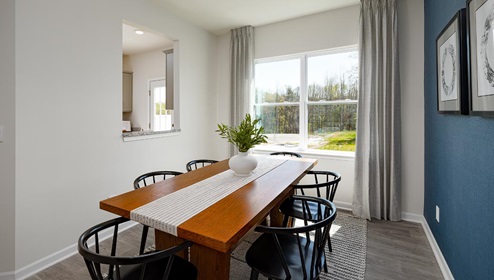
(168, 212)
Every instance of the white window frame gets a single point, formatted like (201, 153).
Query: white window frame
(161, 81)
(304, 102)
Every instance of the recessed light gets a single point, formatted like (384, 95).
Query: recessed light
(138, 32)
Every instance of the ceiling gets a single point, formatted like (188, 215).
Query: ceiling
(219, 16)
(133, 43)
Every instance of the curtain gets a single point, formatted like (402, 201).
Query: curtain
(377, 189)
(242, 73)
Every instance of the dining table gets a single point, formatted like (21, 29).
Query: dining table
(212, 207)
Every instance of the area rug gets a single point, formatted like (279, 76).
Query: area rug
(346, 262)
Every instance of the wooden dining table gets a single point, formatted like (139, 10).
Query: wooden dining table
(218, 229)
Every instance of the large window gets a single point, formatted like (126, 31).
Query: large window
(309, 100)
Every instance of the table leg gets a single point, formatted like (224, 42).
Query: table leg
(164, 240)
(210, 264)
(276, 216)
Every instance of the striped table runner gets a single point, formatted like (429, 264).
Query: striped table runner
(168, 212)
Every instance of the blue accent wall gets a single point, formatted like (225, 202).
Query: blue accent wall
(459, 168)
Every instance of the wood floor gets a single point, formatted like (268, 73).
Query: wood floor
(399, 250)
(395, 251)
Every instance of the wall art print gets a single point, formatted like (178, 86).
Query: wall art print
(484, 22)
(448, 69)
(481, 44)
(452, 74)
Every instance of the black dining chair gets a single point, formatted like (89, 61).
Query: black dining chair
(322, 184)
(153, 177)
(198, 163)
(291, 154)
(293, 252)
(145, 180)
(103, 262)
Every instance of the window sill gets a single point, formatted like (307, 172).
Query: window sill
(339, 155)
(145, 135)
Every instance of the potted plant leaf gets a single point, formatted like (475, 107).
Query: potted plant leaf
(244, 136)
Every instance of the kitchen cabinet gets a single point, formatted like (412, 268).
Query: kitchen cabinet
(169, 79)
(126, 92)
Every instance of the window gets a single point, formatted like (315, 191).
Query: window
(147, 55)
(161, 118)
(309, 100)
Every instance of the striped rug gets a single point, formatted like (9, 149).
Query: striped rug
(346, 262)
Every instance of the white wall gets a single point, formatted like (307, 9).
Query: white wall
(70, 154)
(7, 147)
(411, 41)
(311, 33)
(340, 28)
(145, 66)
(223, 100)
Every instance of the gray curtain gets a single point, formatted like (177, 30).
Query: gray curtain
(377, 189)
(242, 72)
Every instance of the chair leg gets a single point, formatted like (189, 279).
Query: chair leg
(288, 221)
(144, 237)
(329, 244)
(285, 221)
(254, 274)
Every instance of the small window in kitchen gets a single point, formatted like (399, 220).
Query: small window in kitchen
(161, 118)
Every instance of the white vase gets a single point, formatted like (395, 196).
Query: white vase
(243, 164)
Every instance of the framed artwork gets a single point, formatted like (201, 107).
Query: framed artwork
(452, 69)
(481, 44)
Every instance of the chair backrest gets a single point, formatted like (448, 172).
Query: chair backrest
(310, 239)
(103, 262)
(198, 163)
(291, 154)
(324, 183)
(153, 177)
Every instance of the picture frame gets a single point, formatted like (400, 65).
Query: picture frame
(452, 68)
(480, 15)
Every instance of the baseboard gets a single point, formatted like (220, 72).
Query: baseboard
(7, 275)
(443, 265)
(410, 217)
(405, 216)
(45, 262)
(343, 205)
(56, 257)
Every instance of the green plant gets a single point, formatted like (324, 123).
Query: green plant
(244, 136)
